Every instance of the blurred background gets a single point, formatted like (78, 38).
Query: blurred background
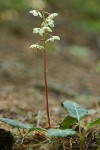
(73, 63)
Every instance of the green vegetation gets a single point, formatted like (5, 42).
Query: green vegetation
(72, 125)
(75, 114)
(19, 5)
(84, 14)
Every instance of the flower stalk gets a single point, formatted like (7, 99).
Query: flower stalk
(47, 24)
(45, 80)
(45, 74)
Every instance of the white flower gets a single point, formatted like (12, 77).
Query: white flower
(44, 30)
(50, 22)
(53, 38)
(35, 13)
(36, 46)
(36, 30)
(52, 16)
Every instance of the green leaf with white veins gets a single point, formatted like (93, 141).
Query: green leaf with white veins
(16, 124)
(75, 110)
(60, 133)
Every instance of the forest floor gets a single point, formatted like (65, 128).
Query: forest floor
(22, 94)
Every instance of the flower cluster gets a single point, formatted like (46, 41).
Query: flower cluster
(49, 20)
(45, 27)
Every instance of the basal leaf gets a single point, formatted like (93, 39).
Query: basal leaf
(75, 110)
(16, 123)
(60, 132)
(68, 122)
(94, 123)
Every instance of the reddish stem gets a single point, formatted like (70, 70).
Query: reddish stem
(45, 75)
(46, 88)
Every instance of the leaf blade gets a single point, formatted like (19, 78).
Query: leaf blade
(68, 122)
(75, 110)
(94, 123)
(16, 123)
(60, 132)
